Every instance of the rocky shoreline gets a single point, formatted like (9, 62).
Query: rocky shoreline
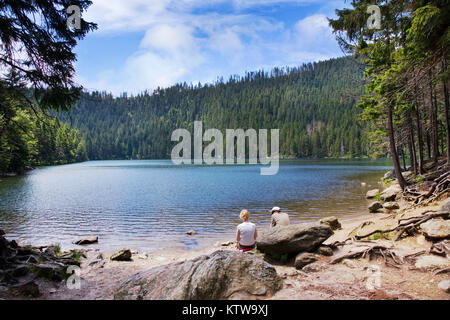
(400, 251)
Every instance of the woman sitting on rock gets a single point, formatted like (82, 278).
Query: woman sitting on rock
(246, 233)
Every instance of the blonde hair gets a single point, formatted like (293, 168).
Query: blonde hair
(245, 215)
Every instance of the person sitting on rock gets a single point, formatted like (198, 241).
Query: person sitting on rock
(246, 233)
(279, 218)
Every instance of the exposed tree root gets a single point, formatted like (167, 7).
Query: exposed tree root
(441, 248)
(445, 270)
(440, 186)
(389, 257)
(408, 225)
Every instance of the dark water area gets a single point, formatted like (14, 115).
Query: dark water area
(148, 204)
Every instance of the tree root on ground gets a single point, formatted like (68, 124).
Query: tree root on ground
(440, 186)
(408, 225)
(389, 256)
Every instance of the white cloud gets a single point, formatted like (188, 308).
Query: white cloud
(180, 45)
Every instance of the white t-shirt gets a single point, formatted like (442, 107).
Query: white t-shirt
(247, 230)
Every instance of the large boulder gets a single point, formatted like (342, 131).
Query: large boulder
(221, 275)
(436, 229)
(372, 193)
(445, 206)
(294, 238)
(391, 193)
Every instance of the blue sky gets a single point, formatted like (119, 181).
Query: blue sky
(143, 44)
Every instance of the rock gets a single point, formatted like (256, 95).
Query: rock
(444, 286)
(407, 174)
(391, 206)
(227, 243)
(430, 262)
(143, 256)
(86, 240)
(191, 232)
(95, 262)
(49, 271)
(436, 229)
(372, 193)
(122, 255)
(349, 263)
(391, 193)
(13, 244)
(20, 271)
(294, 238)
(445, 206)
(325, 251)
(289, 273)
(375, 206)
(332, 222)
(30, 289)
(314, 267)
(390, 174)
(50, 251)
(2, 232)
(304, 258)
(220, 275)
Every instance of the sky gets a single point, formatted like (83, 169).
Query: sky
(144, 44)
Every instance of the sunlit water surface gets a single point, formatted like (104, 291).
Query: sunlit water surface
(151, 204)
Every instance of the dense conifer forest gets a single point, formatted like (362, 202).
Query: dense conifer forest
(314, 106)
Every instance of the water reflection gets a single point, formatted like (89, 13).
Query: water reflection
(149, 203)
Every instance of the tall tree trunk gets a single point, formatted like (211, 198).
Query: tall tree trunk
(419, 138)
(446, 111)
(397, 169)
(402, 152)
(412, 144)
(433, 118)
(428, 145)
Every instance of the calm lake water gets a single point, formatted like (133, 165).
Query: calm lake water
(151, 204)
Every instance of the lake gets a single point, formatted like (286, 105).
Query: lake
(149, 204)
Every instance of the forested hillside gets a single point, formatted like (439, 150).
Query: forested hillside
(312, 105)
(29, 137)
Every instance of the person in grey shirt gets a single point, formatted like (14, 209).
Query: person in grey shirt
(279, 218)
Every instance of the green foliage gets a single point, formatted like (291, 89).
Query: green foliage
(37, 32)
(406, 67)
(28, 137)
(378, 196)
(312, 105)
(76, 255)
(419, 179)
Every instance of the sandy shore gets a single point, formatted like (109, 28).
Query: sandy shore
(349, 279)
